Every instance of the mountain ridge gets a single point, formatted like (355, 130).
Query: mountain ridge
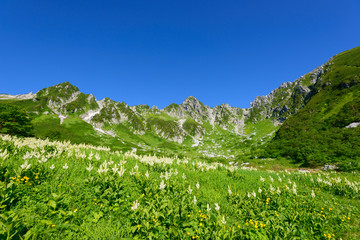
(256, 111)
(63, 111)
(65, 100)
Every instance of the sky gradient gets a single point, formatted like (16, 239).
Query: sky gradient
(160, 52)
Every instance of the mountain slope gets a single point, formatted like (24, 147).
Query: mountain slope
(325, 130)
(288, 98)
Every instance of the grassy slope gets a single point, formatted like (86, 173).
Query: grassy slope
(73, 203)
(74, 130)
(317, 134)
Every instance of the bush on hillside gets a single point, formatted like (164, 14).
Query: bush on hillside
(14, 121)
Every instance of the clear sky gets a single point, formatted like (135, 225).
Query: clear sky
(159, 52)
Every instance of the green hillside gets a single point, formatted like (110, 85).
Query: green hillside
(317, 134)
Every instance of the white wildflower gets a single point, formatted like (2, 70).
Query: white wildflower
(111, 161)
(184, 176)
(115, 169)
(195, 201)
(105, 169)
(278, 191)
(26, 165)
(65, 166)
(135, 205)
(52, 167)
(208, 208)
(89, 168)
(217, 207)
(42, 160)
(167, 175)
(272, 189)
(27, 155)
(162, 185)
(313, 194)
(223, 220)
(229, 190)
(147, 174)
(189, 190)
(4, 154)
(197, 185)
(254, 194)
(271, 179)
(121, 171)
(259, 190)
(100, 170)
(262, 179)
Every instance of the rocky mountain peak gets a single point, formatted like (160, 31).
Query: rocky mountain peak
(193, 104)
(191, 99)
(59, 93)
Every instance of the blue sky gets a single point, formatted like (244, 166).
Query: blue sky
(159, 52)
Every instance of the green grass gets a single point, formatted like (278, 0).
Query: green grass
(161, 116)
(275, 164)
(43, 125)
(341, 101)
(307, 80)
(260, 129)
(44, 203)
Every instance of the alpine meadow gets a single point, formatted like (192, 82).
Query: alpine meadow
(75, 167)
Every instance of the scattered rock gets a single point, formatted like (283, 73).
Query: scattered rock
(329, 167)
(353, 125)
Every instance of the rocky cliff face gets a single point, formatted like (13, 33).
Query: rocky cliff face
(223, 115)
(288, 98)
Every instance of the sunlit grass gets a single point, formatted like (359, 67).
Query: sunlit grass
(54, 190)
